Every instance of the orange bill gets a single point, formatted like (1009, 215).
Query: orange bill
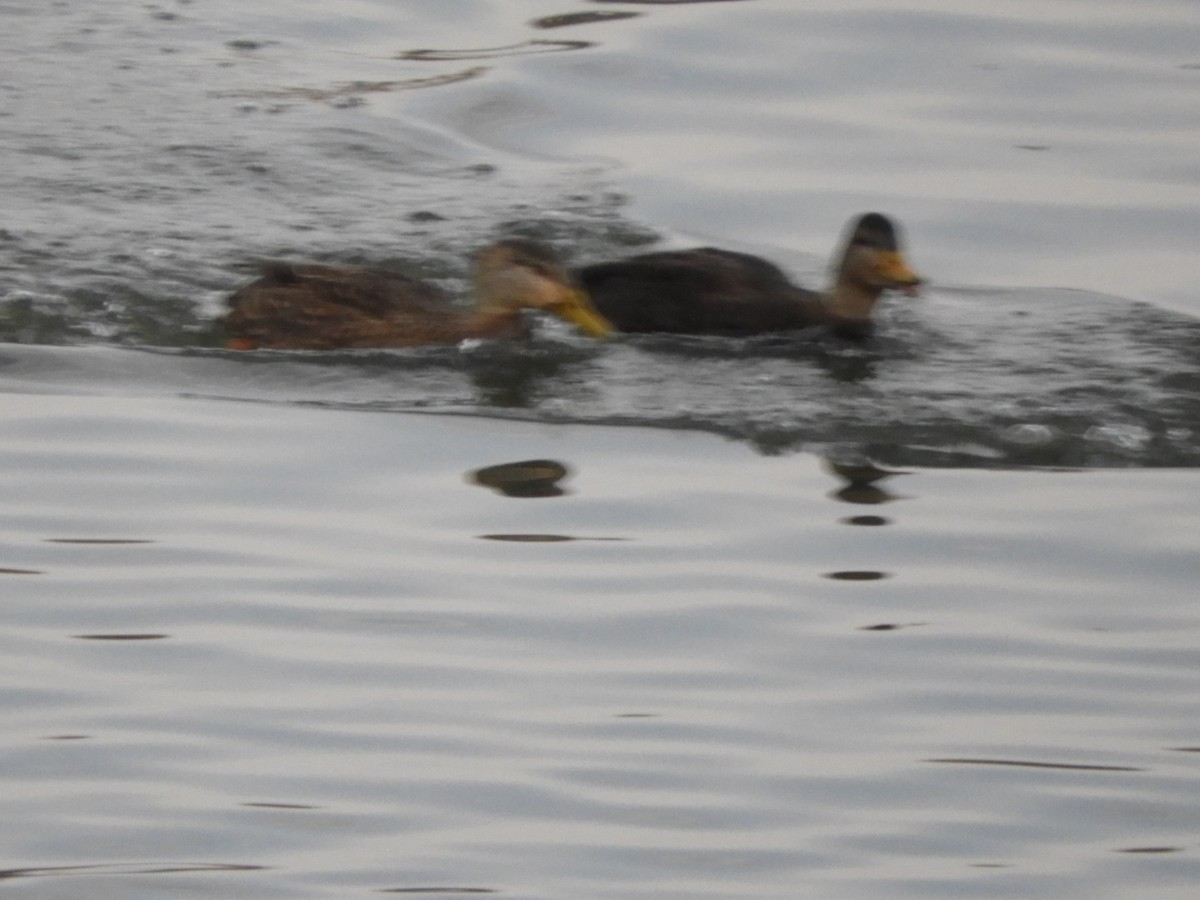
(576, 307)
(893, 268)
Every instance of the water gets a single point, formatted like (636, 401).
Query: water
(196, 140)
(266, 632)
(266, 650)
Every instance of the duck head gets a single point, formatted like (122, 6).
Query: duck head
(873, 260)
(516, 274)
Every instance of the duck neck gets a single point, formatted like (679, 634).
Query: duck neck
(848, 302)
(494, 313)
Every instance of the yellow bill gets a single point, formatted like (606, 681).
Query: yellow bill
(576, 307)
(895, 270)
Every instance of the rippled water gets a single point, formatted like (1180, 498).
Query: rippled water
(269, 632)
(260, 650)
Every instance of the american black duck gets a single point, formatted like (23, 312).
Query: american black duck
(711, 291)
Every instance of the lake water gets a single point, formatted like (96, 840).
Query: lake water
(275, 625)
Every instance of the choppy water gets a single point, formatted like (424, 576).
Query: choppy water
(269, 632)
(1101, 383)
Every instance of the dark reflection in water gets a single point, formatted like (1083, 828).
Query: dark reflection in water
(523, 48)
(1030, 764)
(543, 538)
(866, 520)
(861, 477)
(349, 93)
(530, 478)
(128, 869)
(66, 737)
(890, 626)
(98, 541)
(1149, 850)
(507, 380)
(865, 494)
(20, 572)
(847, 364)
(857, 575)
(528, 538)
(858, 472)
(581, 18)
(279, 806)
(437, 890)
(121, 637)
(247, 45)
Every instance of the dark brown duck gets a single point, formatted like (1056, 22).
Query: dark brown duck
(721, 292)
(318, 307)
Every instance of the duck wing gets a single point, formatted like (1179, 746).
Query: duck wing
(702, 291)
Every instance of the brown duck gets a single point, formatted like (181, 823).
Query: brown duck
(318, 307)
(712, 291)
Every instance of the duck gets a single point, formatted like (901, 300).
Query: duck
(710, 291)
(308, 306)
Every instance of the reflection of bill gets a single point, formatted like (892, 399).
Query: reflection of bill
(526, 479)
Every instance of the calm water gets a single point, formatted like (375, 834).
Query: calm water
(260, 650)
(271, 632)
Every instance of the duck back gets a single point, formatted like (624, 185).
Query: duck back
(702, 291)
(322, 307)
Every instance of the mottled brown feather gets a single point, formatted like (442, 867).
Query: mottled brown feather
(319, 307)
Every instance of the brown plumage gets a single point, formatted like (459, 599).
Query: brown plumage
(712, 291)
(318, 307)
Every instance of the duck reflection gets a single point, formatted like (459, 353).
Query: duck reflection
(527, 479)
(857, 575)
(869, 521)
(513, 378)
(861, 477)
(847, 365)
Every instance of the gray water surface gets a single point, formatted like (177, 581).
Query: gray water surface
(264, 651)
